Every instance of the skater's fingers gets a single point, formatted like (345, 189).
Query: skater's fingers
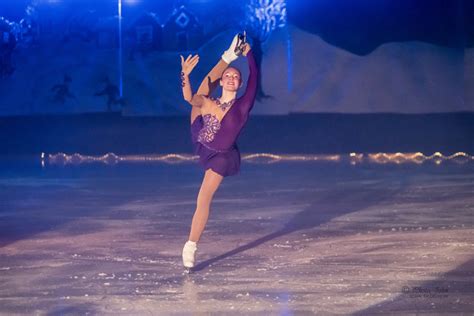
(182, 59)
(192, 65)
(194, 61)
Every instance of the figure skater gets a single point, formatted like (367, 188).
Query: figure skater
(215, 127)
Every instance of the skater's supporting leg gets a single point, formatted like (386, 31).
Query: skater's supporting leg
(209, 186)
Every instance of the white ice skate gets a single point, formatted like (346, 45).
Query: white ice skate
(189, 251)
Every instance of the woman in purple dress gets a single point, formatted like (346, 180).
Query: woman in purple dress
(215, 127)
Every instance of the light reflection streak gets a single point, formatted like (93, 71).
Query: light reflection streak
(263, 158)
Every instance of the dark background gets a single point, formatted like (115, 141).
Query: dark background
(356, 26)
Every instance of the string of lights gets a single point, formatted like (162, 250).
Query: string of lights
(265, 158)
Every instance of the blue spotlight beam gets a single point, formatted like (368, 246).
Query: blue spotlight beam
(120, 47)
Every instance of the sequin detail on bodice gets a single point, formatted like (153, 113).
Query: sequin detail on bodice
(210, 128)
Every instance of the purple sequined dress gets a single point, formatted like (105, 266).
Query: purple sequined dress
(214, 141)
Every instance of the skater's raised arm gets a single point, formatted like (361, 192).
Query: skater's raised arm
(248, 99)
(187, 66)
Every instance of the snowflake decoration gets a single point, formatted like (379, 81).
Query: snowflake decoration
(264, 16)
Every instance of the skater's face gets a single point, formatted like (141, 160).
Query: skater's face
(230, 80)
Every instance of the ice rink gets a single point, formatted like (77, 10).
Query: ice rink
(283, 238)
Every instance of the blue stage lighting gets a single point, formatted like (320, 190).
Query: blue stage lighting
(131, 2)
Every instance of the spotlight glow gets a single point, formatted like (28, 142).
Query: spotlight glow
(131, 2)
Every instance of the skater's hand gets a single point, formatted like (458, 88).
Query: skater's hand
(247, 48)
(188, 64)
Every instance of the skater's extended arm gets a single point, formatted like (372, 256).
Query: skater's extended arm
(248, 99)
(187, 66)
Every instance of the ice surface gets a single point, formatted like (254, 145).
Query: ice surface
(282, 239)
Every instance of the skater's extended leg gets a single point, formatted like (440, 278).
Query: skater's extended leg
(209, 84)
(211, 81)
